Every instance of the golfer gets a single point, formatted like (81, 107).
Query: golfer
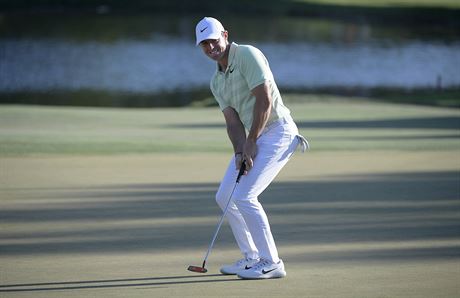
(263, 135)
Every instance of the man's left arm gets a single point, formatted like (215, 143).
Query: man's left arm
(261, 113)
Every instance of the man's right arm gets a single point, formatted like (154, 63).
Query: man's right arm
(236, 132)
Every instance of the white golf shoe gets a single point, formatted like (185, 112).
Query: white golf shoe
(264, 269)
(243, 264)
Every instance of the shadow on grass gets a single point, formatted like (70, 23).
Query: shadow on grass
(344, 209)
(116, 283)
(409, 123)
(448, 123)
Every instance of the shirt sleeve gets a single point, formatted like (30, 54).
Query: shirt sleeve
(254, 66)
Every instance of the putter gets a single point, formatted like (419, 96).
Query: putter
(202, 269)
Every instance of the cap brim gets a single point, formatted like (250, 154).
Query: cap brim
(213, 35)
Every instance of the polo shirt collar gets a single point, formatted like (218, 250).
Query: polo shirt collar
(231, 56)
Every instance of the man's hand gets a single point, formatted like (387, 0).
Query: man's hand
(238, 160)
(249, 153)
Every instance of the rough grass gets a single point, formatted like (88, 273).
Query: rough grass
(329, 123)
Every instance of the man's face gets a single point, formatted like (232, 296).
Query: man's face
(215, 48)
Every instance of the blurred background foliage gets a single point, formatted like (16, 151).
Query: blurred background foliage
(139, 28)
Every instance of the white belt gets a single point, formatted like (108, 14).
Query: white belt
(302, 140)
(272, 124)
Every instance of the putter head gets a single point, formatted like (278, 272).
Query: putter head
(197, 269)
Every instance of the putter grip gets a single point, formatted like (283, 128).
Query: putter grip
(241, 172)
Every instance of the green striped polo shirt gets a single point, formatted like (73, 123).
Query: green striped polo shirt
(247, 68)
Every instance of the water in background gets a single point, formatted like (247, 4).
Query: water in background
(152, 54)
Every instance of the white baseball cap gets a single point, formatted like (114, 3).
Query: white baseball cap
(208, 28)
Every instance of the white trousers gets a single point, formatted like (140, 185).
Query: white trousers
(245, 214)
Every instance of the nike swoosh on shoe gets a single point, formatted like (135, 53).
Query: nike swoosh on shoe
(265, 272)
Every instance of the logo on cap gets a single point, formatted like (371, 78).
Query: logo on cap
(203, 29)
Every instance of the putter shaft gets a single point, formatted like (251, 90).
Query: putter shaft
(203, 269)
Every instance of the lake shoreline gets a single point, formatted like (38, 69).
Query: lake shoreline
(201, 97)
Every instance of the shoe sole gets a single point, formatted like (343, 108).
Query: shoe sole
(228, 273)
(281, 275)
